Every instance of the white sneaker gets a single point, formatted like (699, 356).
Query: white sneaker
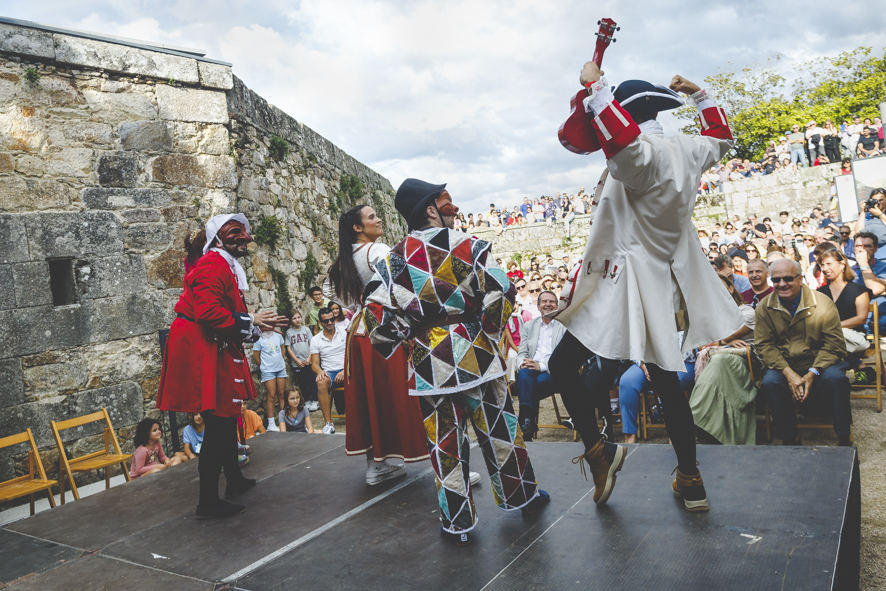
(475, 478)
(382, 471)
(329, 429)
(272, 426)
(312, 405)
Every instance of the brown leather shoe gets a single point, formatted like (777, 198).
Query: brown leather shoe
(691, 490)
(604, 460)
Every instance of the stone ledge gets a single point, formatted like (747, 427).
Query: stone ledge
(124, 59)
(215, 76)
(24, 41)
(190, 104)
(120, 198)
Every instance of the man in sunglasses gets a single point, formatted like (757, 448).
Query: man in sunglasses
(328, 361)
(443, 291)
(846, 242)
(799, 336)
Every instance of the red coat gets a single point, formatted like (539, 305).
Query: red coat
(198, 374)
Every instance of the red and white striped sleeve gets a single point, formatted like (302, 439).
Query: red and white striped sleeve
(711, 116)
(614, 127)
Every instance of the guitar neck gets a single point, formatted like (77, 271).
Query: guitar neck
(598, 56)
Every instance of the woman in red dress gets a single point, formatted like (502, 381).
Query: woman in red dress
(382, 421)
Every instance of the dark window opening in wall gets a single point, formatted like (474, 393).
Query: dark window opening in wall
(61, 279)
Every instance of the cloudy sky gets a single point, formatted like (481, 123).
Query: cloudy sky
(466, 92)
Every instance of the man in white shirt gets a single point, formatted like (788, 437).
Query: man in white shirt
(328, 361)
(538, 337)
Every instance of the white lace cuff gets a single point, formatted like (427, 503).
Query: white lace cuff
(703, 99)
(600, 95)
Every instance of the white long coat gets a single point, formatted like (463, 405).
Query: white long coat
(643, 240)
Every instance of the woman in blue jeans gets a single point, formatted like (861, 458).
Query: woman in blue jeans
(632, 383)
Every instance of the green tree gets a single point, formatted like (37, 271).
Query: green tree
(760, 108)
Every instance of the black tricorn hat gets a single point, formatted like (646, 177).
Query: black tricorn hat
(644, 100)
(413, 198)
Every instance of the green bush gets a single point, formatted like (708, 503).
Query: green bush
(32, 75)
(268, 231)
(278, 147)
(284, 303)
(309, 273)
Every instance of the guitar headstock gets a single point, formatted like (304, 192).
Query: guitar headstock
(604, 38)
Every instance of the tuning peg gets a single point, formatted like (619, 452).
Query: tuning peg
(618, 28)
(598, 22)
(613, 39)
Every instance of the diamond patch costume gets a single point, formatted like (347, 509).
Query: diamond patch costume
(441, 293)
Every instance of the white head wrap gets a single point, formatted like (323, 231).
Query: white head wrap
(212, 228)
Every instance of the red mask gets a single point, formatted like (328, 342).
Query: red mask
(445, 206)
(234, 238)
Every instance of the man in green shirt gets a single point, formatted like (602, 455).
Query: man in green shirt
(318, 301)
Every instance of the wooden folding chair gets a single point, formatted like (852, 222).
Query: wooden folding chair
(874, 350)
(644, 417)
(92, 461)
(559, 424)
(332, 404)
(30, 483)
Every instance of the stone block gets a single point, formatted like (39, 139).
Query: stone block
(179, 213)
(110, 276)
(189, 104)
(22, 128)
(214, 139)
(14, 246)
(124, 317)
(121, 58)
(12, 390)
(136, 216)
(21, 195)
(45, 328)
(31, 282)
(167, 270)
(151, 136)
(7, 288)
(88, 132)
(201, 170)
(117, 169)
(70, 162)
(52, 235)
(30, 165)
(24, 41)
(122, 361)
(7, 165)
(124, 106)
(123, 402)
(107, 198)
(141, 237)
(215, 76)
(69, 375)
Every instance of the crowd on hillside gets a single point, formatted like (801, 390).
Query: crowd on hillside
(799, 148)
(561, 208)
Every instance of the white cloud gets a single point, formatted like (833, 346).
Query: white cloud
(466, 92)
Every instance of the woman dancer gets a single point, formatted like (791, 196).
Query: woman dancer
(383, 422)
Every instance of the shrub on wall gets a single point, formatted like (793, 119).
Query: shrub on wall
(268, 231)
(309, 273)
(278, 147)
(284, 303)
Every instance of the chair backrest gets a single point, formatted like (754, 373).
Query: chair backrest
(34, 457)
(110, 435)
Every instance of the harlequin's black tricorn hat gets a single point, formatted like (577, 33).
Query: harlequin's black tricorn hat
(644, 100)
(413, 198)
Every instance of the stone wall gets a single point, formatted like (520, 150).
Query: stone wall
(794, 192)
(110, 154)
(538, 240)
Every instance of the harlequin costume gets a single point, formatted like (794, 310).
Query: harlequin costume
(381, 418)
(204, 364)
(643, 272)
(442, 292)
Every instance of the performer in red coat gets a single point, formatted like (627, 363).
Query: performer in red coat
(204, 365)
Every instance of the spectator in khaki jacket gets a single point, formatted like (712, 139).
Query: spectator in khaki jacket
(799, 336)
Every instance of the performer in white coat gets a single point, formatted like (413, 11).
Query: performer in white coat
(643, 276)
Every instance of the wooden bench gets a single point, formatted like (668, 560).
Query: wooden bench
(29, 484)
(92, 461)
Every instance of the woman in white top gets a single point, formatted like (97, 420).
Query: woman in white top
(382, 420)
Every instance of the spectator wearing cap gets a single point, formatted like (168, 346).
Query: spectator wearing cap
(724, 266)
(740, 261)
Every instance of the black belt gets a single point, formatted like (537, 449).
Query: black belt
(183, 317)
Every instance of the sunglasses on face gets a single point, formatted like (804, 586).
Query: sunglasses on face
(534, 291)
(785, 279)
(520, 287)
(844, 233)
(327, 321)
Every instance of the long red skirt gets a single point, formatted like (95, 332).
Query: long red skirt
(380, 415)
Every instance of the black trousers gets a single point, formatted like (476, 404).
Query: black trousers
(219, 450)
(583, 395)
